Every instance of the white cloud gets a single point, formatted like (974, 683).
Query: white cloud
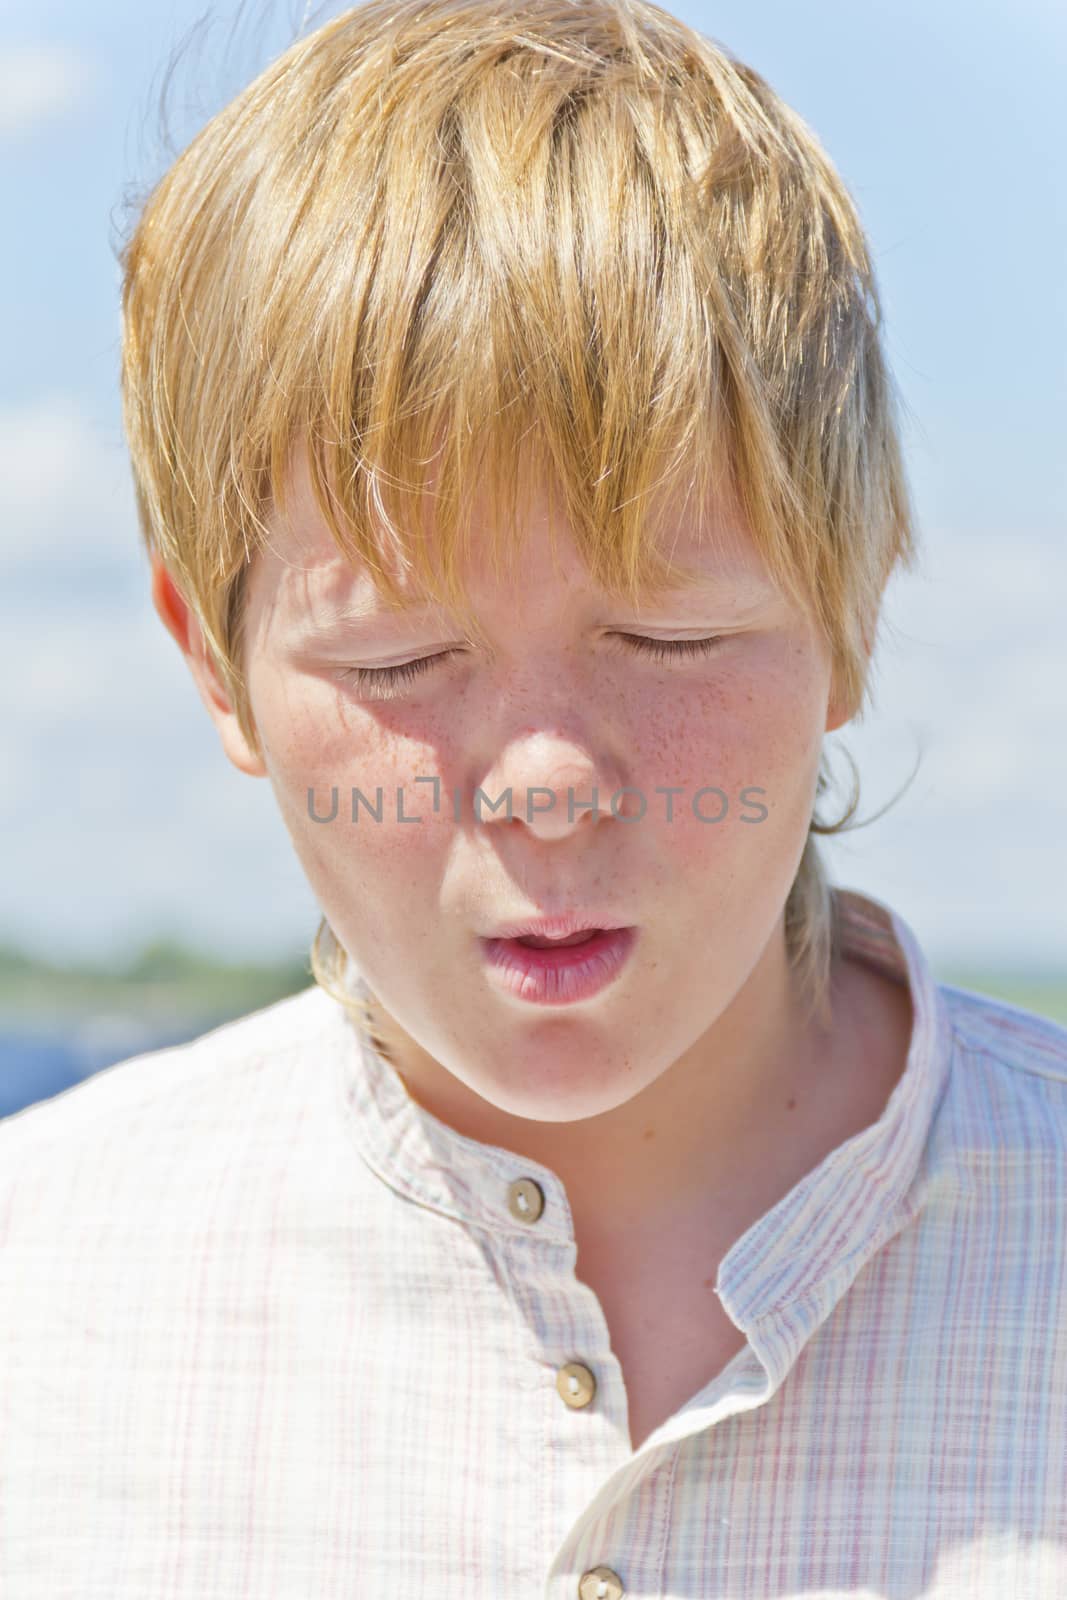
(972, 676)
(126, 814)
(40, 84)
(65, 488)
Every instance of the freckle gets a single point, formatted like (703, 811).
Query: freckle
(649, 1133)
(791, 1105)
(709, 1283)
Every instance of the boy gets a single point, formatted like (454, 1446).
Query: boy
(623, 1211)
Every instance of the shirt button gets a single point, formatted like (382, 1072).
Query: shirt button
(576, 1385)
(525, 1200)
(600, 1583)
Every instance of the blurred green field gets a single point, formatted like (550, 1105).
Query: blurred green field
(165, 982)
(167, 979)
(1046, 996)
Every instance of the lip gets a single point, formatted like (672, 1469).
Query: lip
(553, 927)
(563, 976)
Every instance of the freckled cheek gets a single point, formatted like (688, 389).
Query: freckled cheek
(393, 820)
(744, 770)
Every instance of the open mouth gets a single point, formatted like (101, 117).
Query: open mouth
(535, 941)
(558, 971)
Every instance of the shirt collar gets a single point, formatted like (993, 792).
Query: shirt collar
(782, 1278)
(785, 1273)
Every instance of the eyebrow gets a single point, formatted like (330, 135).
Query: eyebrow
(337, 615)
(745, 587)
(741, 585)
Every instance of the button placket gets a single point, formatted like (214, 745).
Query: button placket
(575, 1383)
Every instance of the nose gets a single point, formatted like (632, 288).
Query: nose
(550, 786)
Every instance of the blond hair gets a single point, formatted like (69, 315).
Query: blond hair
(577, 239)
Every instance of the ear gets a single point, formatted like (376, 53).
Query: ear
(180, 621)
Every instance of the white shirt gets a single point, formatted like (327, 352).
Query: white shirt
(269, 1330)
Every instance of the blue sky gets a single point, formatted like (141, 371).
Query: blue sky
(121, 816)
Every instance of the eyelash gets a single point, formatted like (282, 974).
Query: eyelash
(390, 678)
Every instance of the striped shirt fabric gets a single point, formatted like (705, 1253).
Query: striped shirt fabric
(269, 1330)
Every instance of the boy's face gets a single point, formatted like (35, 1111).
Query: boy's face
(559, 701)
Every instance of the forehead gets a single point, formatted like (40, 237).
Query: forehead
(302, 574)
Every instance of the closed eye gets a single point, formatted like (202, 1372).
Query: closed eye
(665, 649)
(381, 681)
